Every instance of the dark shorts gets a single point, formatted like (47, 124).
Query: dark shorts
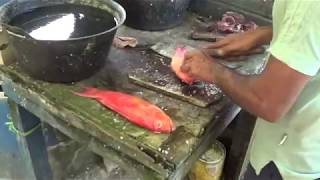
(269, 172)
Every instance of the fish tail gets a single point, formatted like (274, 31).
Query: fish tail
(89, 92)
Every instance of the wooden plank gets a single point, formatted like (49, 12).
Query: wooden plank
(109, 140)
(180, 141)
(206, 141)
(59, 96)
(101, 149)
(155, 73)
(112, 137)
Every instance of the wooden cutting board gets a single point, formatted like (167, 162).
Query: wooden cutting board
(155, 73)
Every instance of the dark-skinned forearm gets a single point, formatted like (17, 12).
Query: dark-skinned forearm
(264, 35)
(246, 91)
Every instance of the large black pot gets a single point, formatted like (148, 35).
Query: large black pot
(61, 60)
(154, 15)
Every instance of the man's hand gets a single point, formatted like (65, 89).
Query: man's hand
(199, 65)
(269, 95)
(241, 43)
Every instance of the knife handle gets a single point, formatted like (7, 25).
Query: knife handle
(210, 37)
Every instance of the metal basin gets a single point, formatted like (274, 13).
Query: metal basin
(67, 60)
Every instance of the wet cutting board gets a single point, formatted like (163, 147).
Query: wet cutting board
(154, 72)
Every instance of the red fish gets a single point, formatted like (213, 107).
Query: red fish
(135, 109)
(176, 64)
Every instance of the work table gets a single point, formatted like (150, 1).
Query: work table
(111, 136)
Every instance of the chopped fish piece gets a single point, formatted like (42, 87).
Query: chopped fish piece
(233, 22)
(122, 42)
(176, 64)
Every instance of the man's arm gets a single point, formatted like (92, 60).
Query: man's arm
(242, 43)
(295, 60)
(269, 95)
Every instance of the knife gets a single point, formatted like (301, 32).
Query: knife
(220, 53)
(205, 36)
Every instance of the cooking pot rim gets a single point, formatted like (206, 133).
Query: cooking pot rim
(116, 5)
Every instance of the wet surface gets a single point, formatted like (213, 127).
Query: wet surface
(110, 128)
(63, 22)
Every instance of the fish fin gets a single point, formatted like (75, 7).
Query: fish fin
(89, 92)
